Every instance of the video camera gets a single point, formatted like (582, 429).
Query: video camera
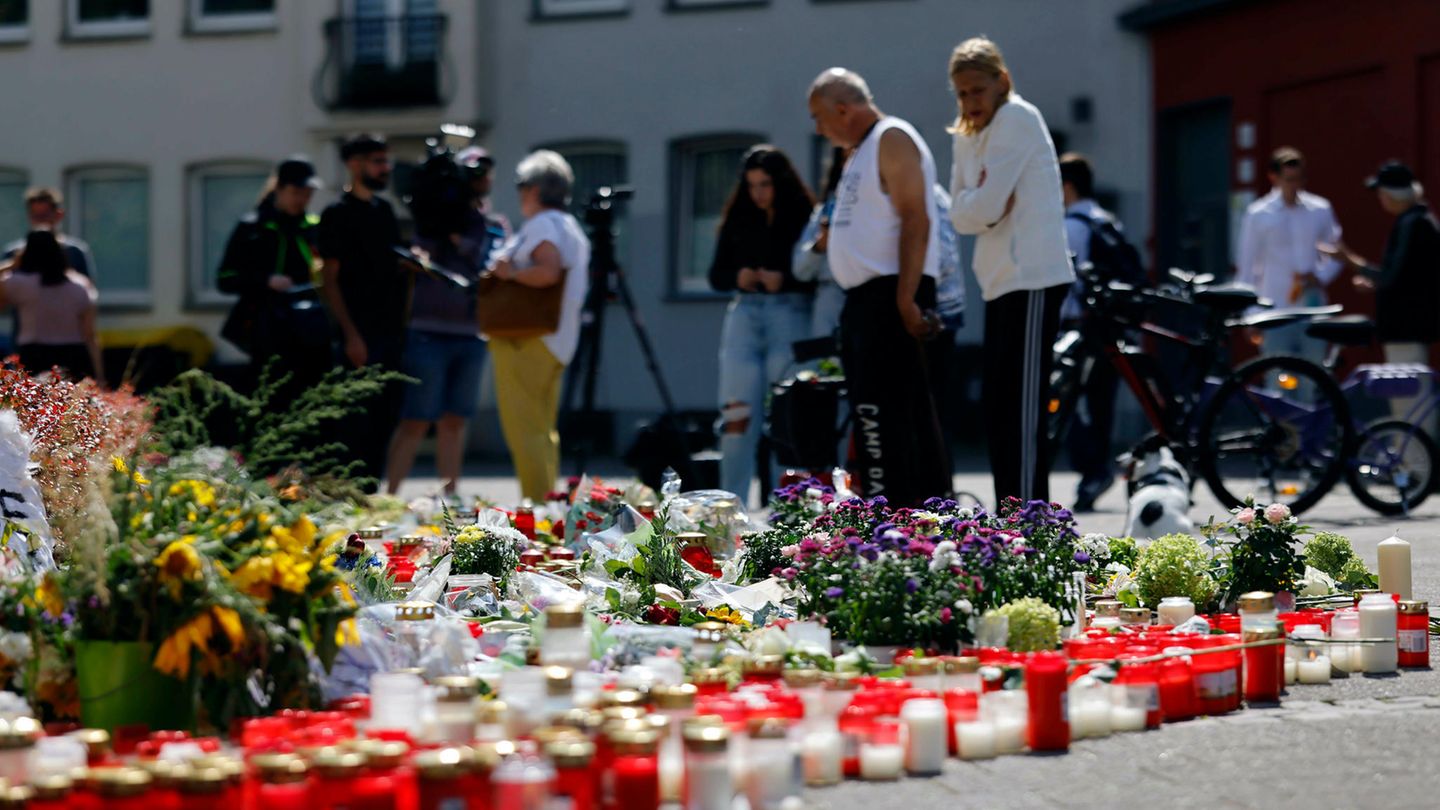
(441, 195)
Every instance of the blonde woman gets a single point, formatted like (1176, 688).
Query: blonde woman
(1005, 187)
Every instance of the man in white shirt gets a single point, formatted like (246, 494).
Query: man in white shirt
(884, 252)
(1279, 254)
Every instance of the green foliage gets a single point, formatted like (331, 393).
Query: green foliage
(1353, 574)
(1329, 552)
(1174, 565)
(1259, 551)
(657, 561)
(761, 554)
(486, 550)
(1123, 550)
(270, 433)
(1033, 625)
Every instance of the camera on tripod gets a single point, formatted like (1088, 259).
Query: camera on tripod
(600, 210)
(441, 192)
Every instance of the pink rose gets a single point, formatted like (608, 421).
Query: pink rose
(790, 551)
(1277, 513)
(1245, 517)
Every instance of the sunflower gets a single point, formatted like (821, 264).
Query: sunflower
(178, 563)
(173, 657)
(724, 614)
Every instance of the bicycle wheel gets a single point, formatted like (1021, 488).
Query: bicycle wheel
(1277, 428)
(1393, 466)
(1066, 376)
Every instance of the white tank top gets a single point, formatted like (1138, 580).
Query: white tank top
(865, 229)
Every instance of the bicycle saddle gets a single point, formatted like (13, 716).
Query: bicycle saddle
(1270, 319)
(1346, 330)
(1226, 299)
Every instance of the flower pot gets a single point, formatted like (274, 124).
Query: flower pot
(119, 687)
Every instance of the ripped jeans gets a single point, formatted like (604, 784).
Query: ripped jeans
(755, 350)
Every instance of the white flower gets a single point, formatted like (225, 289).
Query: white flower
(813, 493)
(768, 641)
(965, 513)
(1245, 517)
(945, 547)
(15, 647)
(1096, 544)
(964, 606)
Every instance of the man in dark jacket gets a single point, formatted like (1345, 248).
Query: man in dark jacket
(270, 262)
(1406, 283)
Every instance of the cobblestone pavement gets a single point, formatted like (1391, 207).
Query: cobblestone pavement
(1361, 741)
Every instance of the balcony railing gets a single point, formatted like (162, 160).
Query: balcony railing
(383, 62)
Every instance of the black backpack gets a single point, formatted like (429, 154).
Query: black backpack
(1111, 253)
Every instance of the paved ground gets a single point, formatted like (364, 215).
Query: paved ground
(1360, 742)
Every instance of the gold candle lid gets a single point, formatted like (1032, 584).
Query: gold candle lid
(371, 533)
(559, 680)
(384, 753)
(456, 688)
(548, 734)
(117, 782)
(20, 732)
(1262, 634)
(1135, 615)
(52, 787)
(765, 665)
(921, 666)
(202, 780)
(625, 697)
(841, 682)
(586, 720)
(710, 738)
(768, 728)
(622, 713)
(1108, 607)
(1256, 602)
(18, 796)
(489, 755)
(803, 678)
(444, 763)
(564, 615)
(676, 697)
(710, 675)
(635, 741)
(574, 752)
(491, 712)
(1412, 607)
(960, 664)
(280, 769)
(95, 740)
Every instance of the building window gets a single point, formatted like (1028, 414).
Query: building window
(219, 195)
(13, 222)
(110, 208)
(387, 53)
(597, 164)
(14, 20)
(108, 18)
(574, 8)
(232, 15)
(704, 173)
(686, 5)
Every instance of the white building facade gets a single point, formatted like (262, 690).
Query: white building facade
(160, 118)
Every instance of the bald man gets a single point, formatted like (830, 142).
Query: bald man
(884, 252)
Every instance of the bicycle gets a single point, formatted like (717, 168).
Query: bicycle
(1274, 427)
(1392, 469)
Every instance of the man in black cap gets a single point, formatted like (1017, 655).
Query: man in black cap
(1406, 283)
(271, 263)
(367, 289)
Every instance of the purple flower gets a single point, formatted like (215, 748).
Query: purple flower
(834, 592)
(912, 585)
(1081, 557)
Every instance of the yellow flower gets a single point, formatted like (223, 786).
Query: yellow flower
(347, 633)
(253, 578)
(178, 563)
(173, 657)
(297, 539)
(48, 596)
(346, 594)
(119, 464)
(292, 573)
(141, 480)
(230, 624)
(327, 563)
(725, 614)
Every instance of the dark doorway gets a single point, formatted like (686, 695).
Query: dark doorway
(1193, 183)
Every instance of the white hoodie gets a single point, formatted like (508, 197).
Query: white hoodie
(1024, 250)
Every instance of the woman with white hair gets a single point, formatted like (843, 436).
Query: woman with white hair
(551, 248)
(1406, 283)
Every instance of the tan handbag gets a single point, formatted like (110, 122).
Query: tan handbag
(509, 309)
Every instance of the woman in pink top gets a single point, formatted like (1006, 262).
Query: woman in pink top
(56, 307)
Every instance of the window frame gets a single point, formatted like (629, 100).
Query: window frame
(75, 28)
(75, 215)
(16, 33)
(682, 150)
(711, 5)
(571, 9)
(200, 22)
(15, 175)
(200, 292)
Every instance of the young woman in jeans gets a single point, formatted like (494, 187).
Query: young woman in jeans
(762, 222)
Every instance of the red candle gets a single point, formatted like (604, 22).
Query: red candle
(635, 770)
(442, 782)
(1177, 690)
(574, 779)
(284, 782)
(856, 722)
(1413, 632)
(51, 793)
(203, 789)
(121, 788)
(1142, 679)
(385, 784)
(1045, 686)
(1264, 666)
(336, 773)
(525, 521)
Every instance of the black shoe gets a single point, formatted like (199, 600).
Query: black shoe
(1089, 492)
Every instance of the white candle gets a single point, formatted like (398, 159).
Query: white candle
(1394, 556)
(1010, 735)
(822, 756)
(1378, 616)
(672, 776)
(1127, 718)
(709, 785)
(926, 741)
(1314, 670)
(768, 782)
(1175, 610)
(1290, 671)
(976, 740)
(1089, 718)
(881, 761)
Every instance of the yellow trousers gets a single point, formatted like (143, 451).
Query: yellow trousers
(527, 390)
